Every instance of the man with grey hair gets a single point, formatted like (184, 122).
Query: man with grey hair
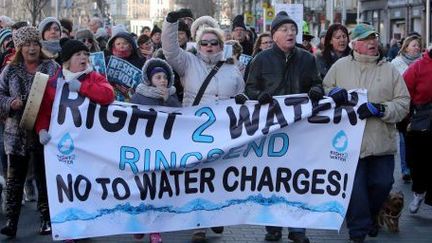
(95, 23)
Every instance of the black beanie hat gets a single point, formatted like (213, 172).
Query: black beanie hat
(280, 19)
(71, 47)
(238, 22)
(155, 30)
(186, 12)
(182, 26)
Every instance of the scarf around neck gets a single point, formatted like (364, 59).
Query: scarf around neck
(68, 75)
(154, 92)
(122, 54)
(211, 58)
(408, 59)
(52, 47)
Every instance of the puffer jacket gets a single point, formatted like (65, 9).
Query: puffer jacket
(193, 70)
(93, 85)
(272, 72)
(15, 81)
(385, 86)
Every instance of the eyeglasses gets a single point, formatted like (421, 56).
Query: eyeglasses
(209, 42)
(370, 37)
(87, 40)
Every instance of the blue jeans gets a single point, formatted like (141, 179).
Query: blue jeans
(3, 158)
(372, 184)
(404, 166)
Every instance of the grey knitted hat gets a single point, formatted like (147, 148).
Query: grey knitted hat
(45, 22)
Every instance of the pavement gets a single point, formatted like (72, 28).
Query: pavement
(414, 228)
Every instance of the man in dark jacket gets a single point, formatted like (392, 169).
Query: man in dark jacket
(240, 34)
(282, 70)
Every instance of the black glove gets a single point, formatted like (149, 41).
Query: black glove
(240, 99)
(265, 98)
(173, 16)
(316, 93)
(339, 95)
(368, 109)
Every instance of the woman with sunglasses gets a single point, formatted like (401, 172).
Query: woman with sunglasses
(87, 37)
(193, 69)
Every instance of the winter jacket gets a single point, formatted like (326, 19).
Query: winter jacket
(385, 86)
(324, 65)
(193, 70)
(15, 81)
(418, 78)
(146, 93)
(399, 64)
(93, 85)
(272, 72)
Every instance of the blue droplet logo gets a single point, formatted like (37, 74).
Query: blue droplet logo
(340, 141)
(66, 145)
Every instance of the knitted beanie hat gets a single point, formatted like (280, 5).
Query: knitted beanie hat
(43, 25)
(71, 47)
(280, 19)
(4, 34)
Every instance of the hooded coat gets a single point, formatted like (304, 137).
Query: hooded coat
(145, 93)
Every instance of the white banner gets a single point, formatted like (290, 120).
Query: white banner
(124, 168)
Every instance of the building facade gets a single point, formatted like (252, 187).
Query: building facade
(395, 18)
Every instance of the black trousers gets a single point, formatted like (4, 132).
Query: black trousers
(17, 172)
(418, 146)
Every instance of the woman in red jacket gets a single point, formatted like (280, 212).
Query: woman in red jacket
(418, 78)
(78, 73)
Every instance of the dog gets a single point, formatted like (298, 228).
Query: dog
(391, 211)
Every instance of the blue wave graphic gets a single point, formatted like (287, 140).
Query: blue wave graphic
(73, 214)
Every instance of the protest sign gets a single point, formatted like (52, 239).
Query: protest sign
(97, 60)
(124, 76)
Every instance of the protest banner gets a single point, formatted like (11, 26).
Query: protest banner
(124, 76)
(125, 168)
(97, 60)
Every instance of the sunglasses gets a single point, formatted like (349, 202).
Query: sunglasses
(209, 42)
(86, 40)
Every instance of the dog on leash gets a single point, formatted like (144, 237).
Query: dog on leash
(391, 211)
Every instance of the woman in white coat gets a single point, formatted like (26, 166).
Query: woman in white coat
(194, 68)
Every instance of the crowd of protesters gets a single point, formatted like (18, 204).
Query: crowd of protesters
(184, 63)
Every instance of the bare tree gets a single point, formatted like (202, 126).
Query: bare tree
(102, 6)
(35, 8)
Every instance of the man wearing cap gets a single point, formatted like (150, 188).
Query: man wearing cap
(281, 70)
(239, 34)
(388, 103)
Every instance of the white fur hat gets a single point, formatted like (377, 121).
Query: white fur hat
(201, 22)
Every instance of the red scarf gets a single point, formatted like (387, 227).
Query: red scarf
(122, 54)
